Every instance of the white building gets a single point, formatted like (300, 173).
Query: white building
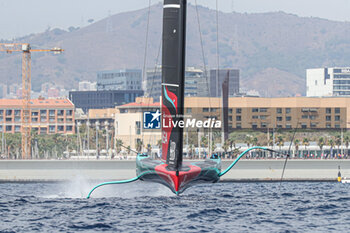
(87, 86)
(328, 82)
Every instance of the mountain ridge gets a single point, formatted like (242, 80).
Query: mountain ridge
(274, 44)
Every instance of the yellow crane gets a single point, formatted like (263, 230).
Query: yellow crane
(26, 88)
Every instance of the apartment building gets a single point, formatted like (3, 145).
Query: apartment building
(48, 116)
(284, 113)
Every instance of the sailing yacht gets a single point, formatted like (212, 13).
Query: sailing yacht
(171, 170)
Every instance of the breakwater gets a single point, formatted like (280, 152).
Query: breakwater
(245, 170)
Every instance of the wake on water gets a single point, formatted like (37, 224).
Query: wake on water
(79, 187)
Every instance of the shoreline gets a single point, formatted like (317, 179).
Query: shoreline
(244, 171)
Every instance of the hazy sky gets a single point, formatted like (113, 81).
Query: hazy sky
(21, 17)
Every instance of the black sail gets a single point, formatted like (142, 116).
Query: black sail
(173, 75)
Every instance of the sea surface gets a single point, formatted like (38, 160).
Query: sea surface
(149, 207)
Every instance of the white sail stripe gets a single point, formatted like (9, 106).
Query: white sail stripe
(172, 6)
(169, 84)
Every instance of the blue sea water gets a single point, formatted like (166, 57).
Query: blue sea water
(148, 207)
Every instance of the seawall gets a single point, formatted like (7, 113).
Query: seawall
(245, 170)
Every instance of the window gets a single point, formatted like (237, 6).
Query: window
(288, 110)
(328, 110)
(313, 125)
(328, 118)
(17, 112)
(263, 109)
(1, 112)
(303, 125)
(337, 118)
(35, 113)
(288, 126)
(263, 125)
(230, 118)
(279, 118)
(337, 126)
(230, 110)
(304, 116)
(8, 119)
(239, 126)
(17, 119)
(60, 128)
(17, 128)
(188, 110)
(312, 117)
(255, 117)
(52, 119)
(60, 112)
(8, 112)
(52, 112)
(279, 126)
(254, 126)
(69, 120)
(238, 110)
(279, 110)
(213, 109)
(52, 128)
(69, 128)
(263, 117)
(138, 127)
(328, 125)
(8, 128)
(69, 112)
(255, 110)
(288, 118)
(43, 112)
(43, 130)
(205, 109)
(337, 110)
(238, 118)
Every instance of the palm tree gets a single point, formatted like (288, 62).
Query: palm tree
(280, 141)
(321, 143)
(306, 143)
(204, 141)
(231, 142)
(191, 149)
(296, 145)
(226, 146)
(119, 144)
(331, 143)
(248, 140)
(255, 141)
(338, 143)
(139, 145)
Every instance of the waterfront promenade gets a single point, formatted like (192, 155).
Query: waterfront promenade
(245, 170)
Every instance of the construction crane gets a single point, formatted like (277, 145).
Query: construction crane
(26, 88)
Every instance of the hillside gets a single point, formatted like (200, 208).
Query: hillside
(265, 46)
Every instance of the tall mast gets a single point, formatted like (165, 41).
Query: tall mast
(173, 80)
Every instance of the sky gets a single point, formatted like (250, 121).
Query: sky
(22, 17)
